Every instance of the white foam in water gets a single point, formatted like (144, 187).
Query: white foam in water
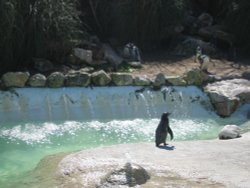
(38, 133)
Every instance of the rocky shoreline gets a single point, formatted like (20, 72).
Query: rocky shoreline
(87, 77)
(226, 95)
(205, 163)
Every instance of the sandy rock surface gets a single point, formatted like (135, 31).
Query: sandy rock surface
(177, 66)
(208, 163)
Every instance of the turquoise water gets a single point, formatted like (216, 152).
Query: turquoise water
(25, 142)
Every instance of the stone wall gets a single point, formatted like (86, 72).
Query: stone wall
(83, 78)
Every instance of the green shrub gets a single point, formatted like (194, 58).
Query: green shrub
(36, 28)
(238, 22)
(145, 22)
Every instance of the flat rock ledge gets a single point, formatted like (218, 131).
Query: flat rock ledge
(207, 163)
(228, 95)
(85, 78)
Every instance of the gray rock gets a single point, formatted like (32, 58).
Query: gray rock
(87, 69)
(194, 77)
(100, 78)
(78, 170)
(189, 44)
(82, 55)
(55, 80)
(37, 80)
(43, 65)
(129, 176)
(142, 81)
(15, 79)
(228, 95)
(205, 20)
(122, 79)
(135, 64)
(246, 75)
(229, 132)
(111, 56)
(176, 80)
(216, 32)
(159, 81)
(77, 78)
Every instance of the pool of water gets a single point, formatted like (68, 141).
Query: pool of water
(25, 142)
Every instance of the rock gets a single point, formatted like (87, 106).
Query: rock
(80, 56)
(228, 95)
(246, 75)
(130, 175)
(77, 78)
(229, 132)
(122, 79)
(100, 78)
(176, 80)
(111, 56)
(204, 20)
(80, 170)
(55, 80)
(159, 81)
(194, 77)
(37, 80)
(188, 46)
(43, 65)
(87, 69)
(216, 32)
(135, 64)
(142, 81)
(99, 63)
(15, 79)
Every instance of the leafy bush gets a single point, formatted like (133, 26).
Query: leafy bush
(35, 28)
(144, 22)
(238, 22)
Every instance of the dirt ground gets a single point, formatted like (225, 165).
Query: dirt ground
(172, 65)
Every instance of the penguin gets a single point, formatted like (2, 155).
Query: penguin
(162, 130)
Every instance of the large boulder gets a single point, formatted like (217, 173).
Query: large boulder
(176, 80)
(188, 46)
(130, 175)
(80, 170)
(55, 80)
(77, 78)
(111, 56)
(159, 81)
(229, 132)
(204, 20)
(100, 78)
(37, 80)
(43, 65)
(194, 77)
(216, 32)
(228, 95)
(80, 55)
(122, 79)
(15, 79)
(142, 81)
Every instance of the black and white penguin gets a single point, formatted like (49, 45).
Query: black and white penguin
(162, 130)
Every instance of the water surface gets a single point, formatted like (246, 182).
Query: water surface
(39, 122)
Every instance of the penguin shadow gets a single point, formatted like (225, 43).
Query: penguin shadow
(167, 147)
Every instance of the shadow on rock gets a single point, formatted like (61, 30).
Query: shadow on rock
(170, 148)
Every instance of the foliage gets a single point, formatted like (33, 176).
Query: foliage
(33, 28)
(145, 22)
(238, 22)
(46, 28)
